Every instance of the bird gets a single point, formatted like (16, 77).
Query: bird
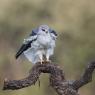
(39, 46)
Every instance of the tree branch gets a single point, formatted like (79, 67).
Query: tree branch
(53, 69)
(57, 79)
(86, 77)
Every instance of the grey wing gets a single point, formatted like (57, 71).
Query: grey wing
(25, 46)
(53, 34)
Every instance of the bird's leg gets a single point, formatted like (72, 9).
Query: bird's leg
(47, 58)
(41, 58)
(49, 52)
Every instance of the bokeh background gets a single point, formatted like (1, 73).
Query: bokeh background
(74, 21)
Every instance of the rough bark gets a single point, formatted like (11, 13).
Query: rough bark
(57, 79)
(86, 77)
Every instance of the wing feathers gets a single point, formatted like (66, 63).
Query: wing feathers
(23, 48)
(54, 32)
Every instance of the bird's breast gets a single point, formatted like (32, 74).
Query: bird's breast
(44, 40)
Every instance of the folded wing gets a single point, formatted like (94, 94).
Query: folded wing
(53, 34)
(25, 46)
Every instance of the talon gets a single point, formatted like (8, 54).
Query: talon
(48, 61)
(42, 62)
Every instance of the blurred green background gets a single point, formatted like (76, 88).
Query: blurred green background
(74, 21)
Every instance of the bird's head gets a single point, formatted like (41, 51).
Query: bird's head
(44, 29)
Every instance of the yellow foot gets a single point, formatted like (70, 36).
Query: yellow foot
(47, 61)
(42, 62)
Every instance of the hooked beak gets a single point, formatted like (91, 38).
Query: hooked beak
(46, 31)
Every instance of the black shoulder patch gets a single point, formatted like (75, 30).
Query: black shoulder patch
(33, 33)
(54, 32)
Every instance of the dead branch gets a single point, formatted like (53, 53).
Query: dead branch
(34, 73)
(57, 79)
(86, 77)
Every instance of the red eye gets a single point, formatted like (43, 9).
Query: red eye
(43, 29)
